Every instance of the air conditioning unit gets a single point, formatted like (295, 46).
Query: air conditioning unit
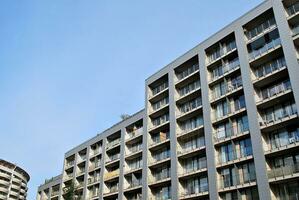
(292, 140)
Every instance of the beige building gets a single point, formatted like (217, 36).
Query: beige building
(13, 181)
(220, 122)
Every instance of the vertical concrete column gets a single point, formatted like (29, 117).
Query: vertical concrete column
(145, 151)
(208, 129)
(252, 114)
(104, 142)
(173, 137)
(86, 172)
(121, 164)
(287, 46)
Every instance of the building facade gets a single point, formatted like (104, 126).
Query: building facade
(13, 181)
(220, 122)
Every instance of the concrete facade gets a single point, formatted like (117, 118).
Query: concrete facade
(220, 122)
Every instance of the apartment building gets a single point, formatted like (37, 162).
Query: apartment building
(220, 122)
(13, 181)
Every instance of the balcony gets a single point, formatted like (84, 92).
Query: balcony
(160, 122)
(69, 176)
(281, 143)
(135, 133)
(93, 180)
(54, 193)
(275, 93)
(134, 185)
(111, 175)
(227, 90)
(159, 140)
(230, 133)
(268, 47)
(157, 179)
(198, 191)
(224, 70)
(230, 182)
(190, 89)
(96, 152)
(112, 191)
(134, 149)
(234, 156)
(293, 10)
(159, 88)
(284, 172)
(265, 74)
(113, 143)
(261, 30)
(227, 114)
(278, 116)
(69, 164)
(201, 167)
(95, 165)
(220, 53)
(190, 125)
(111, 160)
(188, 73)
(189, 107)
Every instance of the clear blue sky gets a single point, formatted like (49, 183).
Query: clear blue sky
(69, 68)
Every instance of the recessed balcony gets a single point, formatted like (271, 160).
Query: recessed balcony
(284, 173)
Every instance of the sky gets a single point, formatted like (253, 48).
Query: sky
(70, 68)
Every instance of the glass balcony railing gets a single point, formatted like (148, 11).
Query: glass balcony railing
(266, 48)
(230, 131)
(190, 167)
(283, 139)
(287, 170)
(160, 176)
(159, 88)
(278, 113)
(221, 70)
(270, 23)
(293, 9)
(219, 52)
(191, 124)
(275, 90)
(191, 105)
(189, 88)
(222, 89)
(192, 145)
(161, 156)
(270, 67)
(230, 180)
(194, 190)
(188, 71)
(161, 120)
(232, 155)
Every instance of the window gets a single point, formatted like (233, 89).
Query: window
(245, 147)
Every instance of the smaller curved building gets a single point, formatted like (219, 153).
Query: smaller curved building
(13, 181)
